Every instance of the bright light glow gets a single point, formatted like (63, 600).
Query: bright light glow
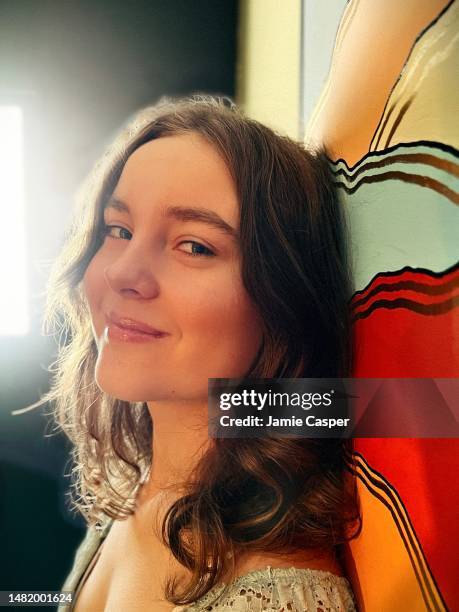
(14, 319)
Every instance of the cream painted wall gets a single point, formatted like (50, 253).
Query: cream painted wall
(268, 70)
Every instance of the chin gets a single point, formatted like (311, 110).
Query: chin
(118, 388)
(127, 390)
(125, 395)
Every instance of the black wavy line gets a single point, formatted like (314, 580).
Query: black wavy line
(424, 271)
(416, 179)
(417, 143)
(408, 285)
(424, 309)
(403, 158)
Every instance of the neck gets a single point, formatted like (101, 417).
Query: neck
(180, 438)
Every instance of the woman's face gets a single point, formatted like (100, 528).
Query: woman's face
(175, 197)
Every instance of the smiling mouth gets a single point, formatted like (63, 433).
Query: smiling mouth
(114, 332)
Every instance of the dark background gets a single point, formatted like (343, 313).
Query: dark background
(79, 69)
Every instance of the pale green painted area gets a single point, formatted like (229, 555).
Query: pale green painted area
(395, 224)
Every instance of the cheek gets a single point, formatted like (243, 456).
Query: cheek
(222, 321)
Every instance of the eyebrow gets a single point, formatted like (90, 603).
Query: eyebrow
(183, 213)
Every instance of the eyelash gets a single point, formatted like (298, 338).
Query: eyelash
(106, 233)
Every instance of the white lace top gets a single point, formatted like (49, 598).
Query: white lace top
(271, 589)
(279, 589)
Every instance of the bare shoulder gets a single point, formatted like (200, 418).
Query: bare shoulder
(325, 560)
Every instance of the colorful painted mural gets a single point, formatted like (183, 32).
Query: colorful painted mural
(388, 116)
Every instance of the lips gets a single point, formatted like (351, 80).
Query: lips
(128, 324)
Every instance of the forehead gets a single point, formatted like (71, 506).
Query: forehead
(181, 169)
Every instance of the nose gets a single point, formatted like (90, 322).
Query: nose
(131, 275)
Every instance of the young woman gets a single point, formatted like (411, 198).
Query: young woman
(205, 246)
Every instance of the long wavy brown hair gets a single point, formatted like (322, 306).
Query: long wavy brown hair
(245, 494)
